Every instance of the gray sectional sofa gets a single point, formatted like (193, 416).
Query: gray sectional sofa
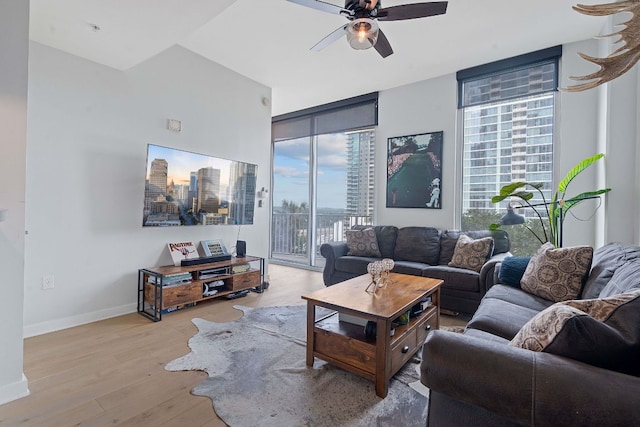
(477, 379)
(422, 251)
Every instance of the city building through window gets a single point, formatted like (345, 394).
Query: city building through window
(508, 112)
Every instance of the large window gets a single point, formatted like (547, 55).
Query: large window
(508, 111)
(322, 177)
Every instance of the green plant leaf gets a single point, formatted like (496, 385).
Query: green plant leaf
(507, 189)
(562, 186)
(494, 227)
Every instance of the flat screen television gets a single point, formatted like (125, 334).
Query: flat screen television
(185, 188)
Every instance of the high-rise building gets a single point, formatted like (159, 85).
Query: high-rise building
(507, 142)
(243, 192)
(156, 185)
(158, 176)
(208, 190)
(360, 173)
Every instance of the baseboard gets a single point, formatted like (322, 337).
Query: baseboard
(81, 319)
(14, 391)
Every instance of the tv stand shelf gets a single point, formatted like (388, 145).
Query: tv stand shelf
(168, 288)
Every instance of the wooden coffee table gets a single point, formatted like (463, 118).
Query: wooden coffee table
(345, 344)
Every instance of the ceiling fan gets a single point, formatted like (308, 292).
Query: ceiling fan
(362, 30)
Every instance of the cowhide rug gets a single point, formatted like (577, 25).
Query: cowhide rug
(258, 377)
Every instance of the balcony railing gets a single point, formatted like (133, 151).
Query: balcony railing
(290, 233)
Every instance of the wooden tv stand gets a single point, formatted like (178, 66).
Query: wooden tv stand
(157, 294)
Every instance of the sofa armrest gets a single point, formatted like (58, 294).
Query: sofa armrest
(331, 251)
(487, 272)
(531, 388)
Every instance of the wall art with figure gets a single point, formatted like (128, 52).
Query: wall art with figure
(414, 171)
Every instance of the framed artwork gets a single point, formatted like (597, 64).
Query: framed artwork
(213, 247)
(414, 171)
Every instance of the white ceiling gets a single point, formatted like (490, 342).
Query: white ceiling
(269, 40)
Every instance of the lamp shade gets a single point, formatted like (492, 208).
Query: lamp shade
(511, 218)
(362, 33)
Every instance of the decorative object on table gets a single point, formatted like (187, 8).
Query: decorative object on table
(627, 53)
(414, 171)
(387, 265)
(556, 209)
(257, 376)
(375, 269)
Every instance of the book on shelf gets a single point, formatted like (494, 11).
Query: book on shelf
(171, 279)
(182, 250)
(241, 268)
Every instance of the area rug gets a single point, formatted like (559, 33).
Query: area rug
(258, 377)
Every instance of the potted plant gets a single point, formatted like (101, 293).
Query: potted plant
(559, 205)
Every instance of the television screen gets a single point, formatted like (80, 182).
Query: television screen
(185, 188)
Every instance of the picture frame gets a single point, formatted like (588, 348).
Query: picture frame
(414, 171)
(213, 247)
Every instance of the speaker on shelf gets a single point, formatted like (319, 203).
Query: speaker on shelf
(241, 248)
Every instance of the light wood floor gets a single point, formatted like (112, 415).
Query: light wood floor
(112, 372)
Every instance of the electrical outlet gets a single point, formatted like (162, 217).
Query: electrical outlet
(47, 282)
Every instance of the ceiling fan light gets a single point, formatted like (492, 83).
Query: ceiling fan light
(362, 33)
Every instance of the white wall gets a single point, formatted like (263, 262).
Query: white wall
(14, 33)
(584, 120)
(427, 106)
(88, 131)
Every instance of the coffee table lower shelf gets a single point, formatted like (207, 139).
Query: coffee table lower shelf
(346, 346)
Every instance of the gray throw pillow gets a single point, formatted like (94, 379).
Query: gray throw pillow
(557, 274)
(363, 243)
(601, 332)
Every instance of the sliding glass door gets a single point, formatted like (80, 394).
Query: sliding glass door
(322, 185)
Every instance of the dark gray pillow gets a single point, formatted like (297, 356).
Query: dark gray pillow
(418, 244)
(624, 279)
(606, 260)
(602, 332)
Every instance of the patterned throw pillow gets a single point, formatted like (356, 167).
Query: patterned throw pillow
(471, 254)
(601, 332)
(363, 243)
(557, 274)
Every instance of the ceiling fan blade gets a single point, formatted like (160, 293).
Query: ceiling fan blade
(322, 6)
(382, 45)
(331, 38)
(412, 11)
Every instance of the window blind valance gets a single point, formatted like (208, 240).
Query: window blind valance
(529, 74)
(341, 116)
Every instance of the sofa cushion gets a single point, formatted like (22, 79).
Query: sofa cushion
(418, 244)
(557, 274)
(606, 259)
(449, 239)
(355, 265)
(471, 254)
(501, 318)
(409, 267)
(454, 278)
(626, 278)
(387, 236)
(512, 269)
(363, 243)
(518, 297)
(601, 332)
